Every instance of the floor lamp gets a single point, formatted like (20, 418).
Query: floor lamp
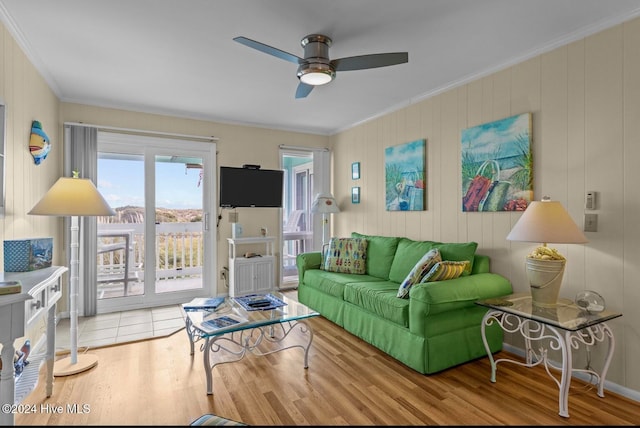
(73, 197)
(324, 203)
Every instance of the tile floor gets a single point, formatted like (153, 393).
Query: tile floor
(120, 327)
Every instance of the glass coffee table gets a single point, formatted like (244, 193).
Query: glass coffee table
(563, 327)
(261, 332)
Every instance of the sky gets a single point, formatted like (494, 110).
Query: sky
(121, 182)
(497, 138)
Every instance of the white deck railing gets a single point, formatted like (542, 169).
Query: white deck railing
(179, 251)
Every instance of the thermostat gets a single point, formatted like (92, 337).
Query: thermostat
(590, 201)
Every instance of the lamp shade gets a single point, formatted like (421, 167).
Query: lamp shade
(546, 221)
(324, 203)
(72, 197)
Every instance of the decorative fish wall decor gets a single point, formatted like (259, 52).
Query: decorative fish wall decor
(39, 143)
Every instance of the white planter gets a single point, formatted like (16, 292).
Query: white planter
(545, 279)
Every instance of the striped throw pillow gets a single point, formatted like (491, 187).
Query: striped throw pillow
(445, 270)
(421, 268)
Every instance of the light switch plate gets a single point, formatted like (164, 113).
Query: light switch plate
(591, 222)
(233, 217)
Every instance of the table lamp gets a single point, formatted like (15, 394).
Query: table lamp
(324, 203)
(73, 197)
(546, 222)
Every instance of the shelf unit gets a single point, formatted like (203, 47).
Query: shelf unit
(254, 274)
(41, 290)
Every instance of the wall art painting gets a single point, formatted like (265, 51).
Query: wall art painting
(497, 165)
(355, 171)
(405, 176)
(355, 195)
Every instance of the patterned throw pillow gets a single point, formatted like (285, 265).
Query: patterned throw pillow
(445, 270)
(421, 268)
(346, 255)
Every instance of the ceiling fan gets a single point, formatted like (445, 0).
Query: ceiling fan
(316, 68)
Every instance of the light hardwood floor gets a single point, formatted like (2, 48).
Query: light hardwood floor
(348, 382)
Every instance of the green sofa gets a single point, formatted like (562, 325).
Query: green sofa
(435, 328)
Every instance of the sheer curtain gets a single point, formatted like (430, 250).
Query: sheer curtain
(321, 184)
(81, 154)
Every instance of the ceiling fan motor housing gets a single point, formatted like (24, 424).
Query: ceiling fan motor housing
(316, 60)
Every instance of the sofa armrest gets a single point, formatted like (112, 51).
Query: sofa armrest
(306, 261)
(441, 296)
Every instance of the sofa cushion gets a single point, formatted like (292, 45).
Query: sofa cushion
(445, 270)
(410, 251)
(380, 253)
(421, 268)
(333, 283)
(346, 255)
(407, 255)
(380, 299)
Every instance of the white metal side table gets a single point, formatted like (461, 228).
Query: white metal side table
(564, 327)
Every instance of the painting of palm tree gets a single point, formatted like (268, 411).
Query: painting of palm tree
(497, 165)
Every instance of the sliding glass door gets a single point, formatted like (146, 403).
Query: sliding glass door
(306, 174)
(158, 249)
(297, 231)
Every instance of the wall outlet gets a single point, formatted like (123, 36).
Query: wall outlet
(233, 217)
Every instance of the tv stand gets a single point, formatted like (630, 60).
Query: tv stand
(251, 275)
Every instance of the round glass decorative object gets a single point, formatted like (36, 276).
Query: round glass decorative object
(590, 301)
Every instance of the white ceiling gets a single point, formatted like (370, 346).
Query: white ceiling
(177, 57)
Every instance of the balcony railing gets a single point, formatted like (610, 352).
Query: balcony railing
(179, 252)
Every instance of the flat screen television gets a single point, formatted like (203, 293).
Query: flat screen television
(250, 187)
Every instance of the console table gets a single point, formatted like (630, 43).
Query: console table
(41, 289)
(564, 327)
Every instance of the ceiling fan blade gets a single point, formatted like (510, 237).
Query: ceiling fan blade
(370, 61)
(303, 90)
(268, 49)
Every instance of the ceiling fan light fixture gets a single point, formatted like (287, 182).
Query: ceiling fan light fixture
(316, 78)
(316, 68)
(316, 74)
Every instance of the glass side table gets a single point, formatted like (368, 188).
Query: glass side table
(563, 327)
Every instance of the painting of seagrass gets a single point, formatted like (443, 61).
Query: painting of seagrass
(497, 165)
(405, 176)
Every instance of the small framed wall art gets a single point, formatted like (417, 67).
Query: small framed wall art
(355, 171)
(355, 195)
